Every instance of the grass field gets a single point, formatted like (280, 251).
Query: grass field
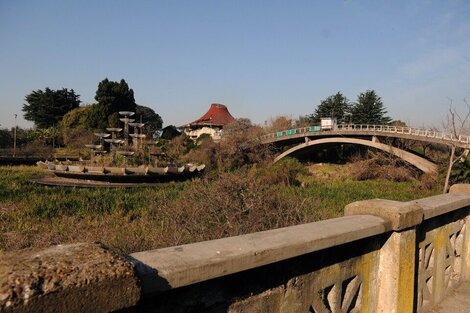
(135, 219)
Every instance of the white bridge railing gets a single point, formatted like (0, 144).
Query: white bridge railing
(314, 130)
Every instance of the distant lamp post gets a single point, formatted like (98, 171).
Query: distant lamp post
(14, 137)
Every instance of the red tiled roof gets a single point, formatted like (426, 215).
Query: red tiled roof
(218, 114)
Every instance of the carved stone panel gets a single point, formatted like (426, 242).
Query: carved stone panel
(439, 265)
(342, 297)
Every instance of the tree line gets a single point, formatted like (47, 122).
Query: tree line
(54, 108)
(62, 111)
(61, 108)
(367, 109)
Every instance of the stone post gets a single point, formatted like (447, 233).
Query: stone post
(464, 188)
(396, 272)
(466, 251)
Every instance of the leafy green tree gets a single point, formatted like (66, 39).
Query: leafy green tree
(6, 138)
(46, 108)
(77, 125)
(112, 98)
(335, 106)
(398, 123)
(302, 121)
(77, 118)
(170, 132)
(47, 136)
(152, 120)
(369, 109)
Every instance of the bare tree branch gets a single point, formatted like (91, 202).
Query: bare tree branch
(456, 125)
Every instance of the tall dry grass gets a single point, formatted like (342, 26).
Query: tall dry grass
(243, 201)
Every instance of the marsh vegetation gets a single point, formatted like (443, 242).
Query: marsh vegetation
(251, 198)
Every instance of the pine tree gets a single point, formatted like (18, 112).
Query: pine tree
(335, 106)
(112, 97)
(47, 108)
(369, 109)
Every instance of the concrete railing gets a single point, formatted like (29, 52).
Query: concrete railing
(382, 256)
(410, 132)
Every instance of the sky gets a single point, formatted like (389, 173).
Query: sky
(262, 59)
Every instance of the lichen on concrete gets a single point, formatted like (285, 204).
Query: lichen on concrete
(74, 276)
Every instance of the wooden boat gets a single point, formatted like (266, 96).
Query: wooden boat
(76, 168)
(128, 174)
(94, 169)
(190, 168)
(114, 170)
(60, 167)
(157, 170)
(43, 165)
(175, 169)
(136, 170)
(201, 167)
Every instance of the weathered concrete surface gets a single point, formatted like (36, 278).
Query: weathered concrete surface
(442, 204)
(466, 251)
(299, 284)
(401, 215)
(173, 267)
(66, 278)
(417, 161)
(458, 301)
(396, 276)
(460, 188)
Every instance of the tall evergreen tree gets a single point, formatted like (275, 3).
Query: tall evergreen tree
(152, 120)
(369, 109)
(335, 106)
(47, 108)
(112, 97)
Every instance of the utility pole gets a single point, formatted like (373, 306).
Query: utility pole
(14, 137)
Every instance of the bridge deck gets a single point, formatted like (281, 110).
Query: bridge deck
(431, 136)
(456, 302)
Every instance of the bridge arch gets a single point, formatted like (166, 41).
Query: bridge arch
(417, 161)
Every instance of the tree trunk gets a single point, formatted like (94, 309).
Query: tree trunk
(449, 169)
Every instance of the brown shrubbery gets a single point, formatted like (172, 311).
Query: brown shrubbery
(238, 147)
(244, 201)
(234, 204)
(222, 204)
(78, 137)
(36, 147)
(379, 165)
(286, 172)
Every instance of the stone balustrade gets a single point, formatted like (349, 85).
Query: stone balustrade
(382, 256)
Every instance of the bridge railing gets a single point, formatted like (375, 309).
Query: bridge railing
(418, 132)
(382, 256)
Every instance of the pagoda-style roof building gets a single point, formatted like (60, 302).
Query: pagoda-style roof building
(218, 115)
(210, 123)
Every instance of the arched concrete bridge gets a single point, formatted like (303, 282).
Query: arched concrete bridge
(365, 135)
(421, 163)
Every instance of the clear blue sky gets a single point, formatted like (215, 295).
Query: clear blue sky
(260, 58)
